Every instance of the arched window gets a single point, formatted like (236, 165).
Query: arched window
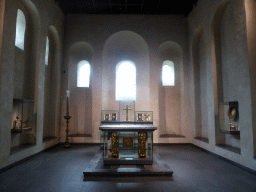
(83, 74)
(47, 51)
(168, 75)
(126, 81)
(20, 30)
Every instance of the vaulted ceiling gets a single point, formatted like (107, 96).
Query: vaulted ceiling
(181, 7)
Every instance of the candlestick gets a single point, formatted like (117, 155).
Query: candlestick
(67, 117)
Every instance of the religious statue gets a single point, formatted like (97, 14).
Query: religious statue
(15, 126)
(113, 117)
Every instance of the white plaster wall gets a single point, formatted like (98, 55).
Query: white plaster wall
(154, 30)
(250, 8)
(42, 14)
(203, 15)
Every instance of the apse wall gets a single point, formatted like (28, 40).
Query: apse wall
(136, 38)
(23, 74)
(228, 78)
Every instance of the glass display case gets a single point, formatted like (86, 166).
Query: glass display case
(229, 117)
(109, 115)
(127, 147)
(144, 116)
(22, 118)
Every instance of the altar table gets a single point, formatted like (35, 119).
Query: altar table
(127, 144)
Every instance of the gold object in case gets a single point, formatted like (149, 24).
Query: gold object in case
(115, 145)
(142, 144)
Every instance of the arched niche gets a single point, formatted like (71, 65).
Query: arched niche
(52, 85)
(170, 97)
(80, 97)
(125, 46)
(200, 85)
(230, 70)
(26, 73)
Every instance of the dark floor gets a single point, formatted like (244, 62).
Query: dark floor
(61, 169)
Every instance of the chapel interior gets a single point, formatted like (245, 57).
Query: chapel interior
(192, 73)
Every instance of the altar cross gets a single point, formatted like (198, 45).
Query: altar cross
(127, 108)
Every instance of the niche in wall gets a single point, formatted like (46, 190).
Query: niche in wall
(125, 46)
(170, 96)
(25, 61)
(200, 86)
(80, 61)
(231, 74)
(52, 82)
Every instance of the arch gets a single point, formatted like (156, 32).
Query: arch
(52, 83)
(125, 46)
(200, 84)
(125, 81)
(230, 65)
(26, 65)
(81, 54)
(170, 50)
(81, 51)
(31, 48)
(170, 97)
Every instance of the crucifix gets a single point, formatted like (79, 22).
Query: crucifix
(127, 108)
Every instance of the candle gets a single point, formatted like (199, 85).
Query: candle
(68, 95)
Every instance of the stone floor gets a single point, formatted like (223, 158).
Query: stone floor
(61, 169)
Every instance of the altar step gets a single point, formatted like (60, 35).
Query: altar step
(96, 169)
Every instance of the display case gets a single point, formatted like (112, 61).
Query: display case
(22, 118)
(128, 147)
(229, 117)
(109, 115)
(144, 116)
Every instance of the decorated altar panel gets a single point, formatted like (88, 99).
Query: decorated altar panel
(127, 144)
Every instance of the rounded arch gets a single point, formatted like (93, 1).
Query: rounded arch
(55, 37)
(125, 45)
(171, 96)
(82, 51)
(170, 50)
(52, 83)
(121, 46)
(32, 46)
